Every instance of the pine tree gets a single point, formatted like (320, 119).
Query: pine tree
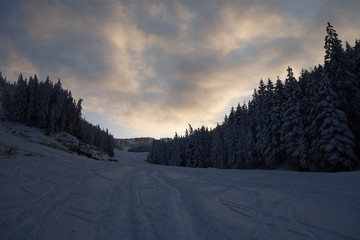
(261, 105)
(309, 82)
(2, 82)
(19, 100)
(333, 148)
(6, 95)
(292, 131)
(264, 145)
(230, 141)
(242, 138)
(275, 149)
(251, 140)
(77, 117)
(33, 91)
(70, 115)
(340, 70)
(175, 158)
(217, 148)
(42, 103)
(57, 107)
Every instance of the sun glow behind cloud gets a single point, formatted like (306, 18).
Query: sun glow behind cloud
(148, 68)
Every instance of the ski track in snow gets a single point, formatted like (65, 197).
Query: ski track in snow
(58, 195)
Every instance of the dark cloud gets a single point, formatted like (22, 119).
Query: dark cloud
(154, 66)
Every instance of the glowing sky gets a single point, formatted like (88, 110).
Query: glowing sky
(148, 67)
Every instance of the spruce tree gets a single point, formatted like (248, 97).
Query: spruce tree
(217, 148)
(343, 72)
(292, 130)
(42, 103)
(333, 146)
(33, 92)
(19, 100)
(275, 149)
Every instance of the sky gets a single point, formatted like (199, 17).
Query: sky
(148, 68)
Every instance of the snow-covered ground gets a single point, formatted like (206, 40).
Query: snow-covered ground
(47, 193)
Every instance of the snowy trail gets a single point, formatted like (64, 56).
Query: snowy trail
(57, 195)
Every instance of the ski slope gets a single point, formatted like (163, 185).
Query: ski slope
(51, 194)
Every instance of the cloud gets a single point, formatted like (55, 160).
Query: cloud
(151, 67)
(15, 62)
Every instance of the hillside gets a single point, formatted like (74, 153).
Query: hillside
(57, 140)
(48, 106)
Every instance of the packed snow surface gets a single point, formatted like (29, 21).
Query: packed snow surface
(51, 194)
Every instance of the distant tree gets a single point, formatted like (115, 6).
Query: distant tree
(217, 148)
(42, 103)
(229, 159)
(33, 91)
(6, 93)
(2, 82)
(57, 107)
(175, 151)
(19, 100)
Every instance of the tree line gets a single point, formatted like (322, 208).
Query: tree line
(305, 124)
(47, 105)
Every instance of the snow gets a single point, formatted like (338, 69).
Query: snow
(47, 193)
(59, 140)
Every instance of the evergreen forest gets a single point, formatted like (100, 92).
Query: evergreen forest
(48, 106)
(307, 124)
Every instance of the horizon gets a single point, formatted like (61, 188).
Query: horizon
(148, 69)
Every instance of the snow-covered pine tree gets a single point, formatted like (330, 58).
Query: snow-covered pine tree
(261, 114)
(230, 140)
(77, 118)
(206, 139)
(19, 100)
(274, 149)
(6, 94)
(176, 149)
(70, 106)
(57, 107)
(292, 131)
(63, 116)
(236, 126)
(333, 147)
(159, 147)
(264, 134)
(242, 146)
(109, 146)
(217, 148)
(33, 91)
(168, 152)
(251, 153)
(193, 150)
(2, 82)
(42, 103)
(340, 69)
(353, 55)
(309, 85)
